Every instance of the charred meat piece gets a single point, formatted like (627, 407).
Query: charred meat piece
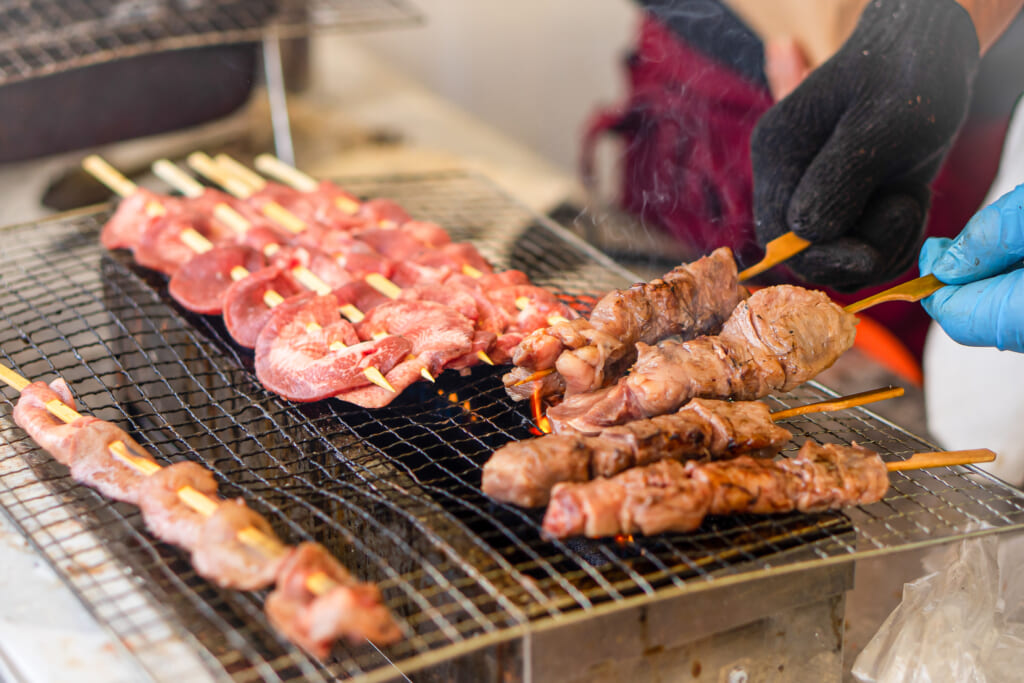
(246, 310)
(692, 300)
(200, 284)
(524, 472)
(671, 496)
(83, 445)
(223, 558)
(166, 515)
(350, 609)
(307, 352)
(776, 340)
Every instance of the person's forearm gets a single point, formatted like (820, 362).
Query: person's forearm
(991, 17)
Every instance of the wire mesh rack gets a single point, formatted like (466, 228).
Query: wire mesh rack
(42, 37)
(394, 493)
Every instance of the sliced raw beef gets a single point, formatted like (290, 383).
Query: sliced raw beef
(200, 284)
(245, 308)
(438, 334)
(307, 352)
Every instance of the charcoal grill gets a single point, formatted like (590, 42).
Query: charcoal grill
(42, 37)
(395, 492)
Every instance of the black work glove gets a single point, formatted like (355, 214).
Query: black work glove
(845, 160)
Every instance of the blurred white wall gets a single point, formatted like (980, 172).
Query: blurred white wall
(534, 69)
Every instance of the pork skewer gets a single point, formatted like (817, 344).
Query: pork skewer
(117, 182)
(672, 496)
(230, 544)
(774, 341)
(589, 353)
(524, 472)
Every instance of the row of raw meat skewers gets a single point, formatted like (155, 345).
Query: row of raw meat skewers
(450, 312)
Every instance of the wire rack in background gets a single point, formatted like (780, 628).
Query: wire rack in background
(394, 493)
(42, 37)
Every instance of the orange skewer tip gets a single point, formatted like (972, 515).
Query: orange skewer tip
(540, 374)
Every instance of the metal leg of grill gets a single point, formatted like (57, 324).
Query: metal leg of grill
(277, 96)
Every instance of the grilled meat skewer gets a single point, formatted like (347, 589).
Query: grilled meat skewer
(524, 472)
(671, 496)
(774, 341)
(691, 300)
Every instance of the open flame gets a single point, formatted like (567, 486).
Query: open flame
(623, 539)
(537, 407)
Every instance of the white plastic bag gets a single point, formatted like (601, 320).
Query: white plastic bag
(963, 622)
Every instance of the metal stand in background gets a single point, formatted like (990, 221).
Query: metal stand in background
(277, 96)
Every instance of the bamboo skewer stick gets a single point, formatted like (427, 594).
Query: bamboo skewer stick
(841, 403)
(111, 177)
(293, 177)
(216, 173)
(775, 252)
(920, 461)
(913, 290)
(319, 583)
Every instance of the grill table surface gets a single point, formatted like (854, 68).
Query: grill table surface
(42, 37)
(394, 493)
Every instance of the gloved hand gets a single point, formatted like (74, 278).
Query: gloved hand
(845, 160)
(984, 302)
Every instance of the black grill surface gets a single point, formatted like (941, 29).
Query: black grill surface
(394, 493)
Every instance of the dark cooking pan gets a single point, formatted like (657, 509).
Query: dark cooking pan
(123, 99)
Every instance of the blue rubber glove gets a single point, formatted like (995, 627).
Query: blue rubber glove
(984, 302)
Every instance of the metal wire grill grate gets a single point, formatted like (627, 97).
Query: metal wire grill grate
(395, 492)
(40, 37)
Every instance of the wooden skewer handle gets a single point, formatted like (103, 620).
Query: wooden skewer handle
(108, 175)
(920, 461)
(775, 252)
(914, 290)
(841, 403)
(289, 175)
(241, 171)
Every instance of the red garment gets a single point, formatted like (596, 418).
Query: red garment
(686, 167)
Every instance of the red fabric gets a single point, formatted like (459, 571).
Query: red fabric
(686, 126)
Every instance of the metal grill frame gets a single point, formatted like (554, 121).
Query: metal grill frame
(393, 492)
(41, 38)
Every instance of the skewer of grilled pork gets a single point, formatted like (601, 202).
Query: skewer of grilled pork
(316, 599)
(672, 496)
(775, 340)
(524, 472)
(589, 353)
